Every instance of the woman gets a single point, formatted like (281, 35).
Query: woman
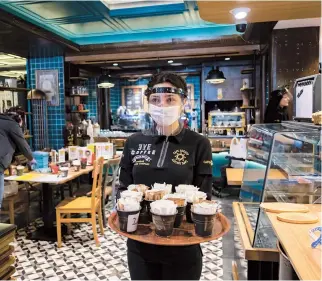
(276, 111)
(172, 154)
(11, 139)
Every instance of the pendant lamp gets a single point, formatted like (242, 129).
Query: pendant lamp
(105, 81)
(215, 76)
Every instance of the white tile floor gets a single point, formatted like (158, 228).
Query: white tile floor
(80, 259)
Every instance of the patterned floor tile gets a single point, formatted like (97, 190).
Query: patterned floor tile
(80, 259)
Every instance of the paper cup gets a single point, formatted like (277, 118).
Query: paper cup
(145, 215)
(163, 224)
(204, 224)
(179, 217)
(64, 171)
(20, 170)
(188, 212)
(128, 221)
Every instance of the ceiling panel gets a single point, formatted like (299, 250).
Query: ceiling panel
(87, 28)
(90, 22)
(156, 22)
(58, 9)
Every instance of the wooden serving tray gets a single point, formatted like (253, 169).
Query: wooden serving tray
(279, 207)
(183, 236)
(298, 218)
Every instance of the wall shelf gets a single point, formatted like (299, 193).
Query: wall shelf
(247, 71)
(79, 78)
(248, 107)
(80, 111)
(71, 96)
(247, 89)
(14, 89)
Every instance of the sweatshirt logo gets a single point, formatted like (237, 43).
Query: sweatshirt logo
(143, 149)
(141, 160)
(180, 157)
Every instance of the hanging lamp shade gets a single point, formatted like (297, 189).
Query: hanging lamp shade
(215, 76)
(105, 82)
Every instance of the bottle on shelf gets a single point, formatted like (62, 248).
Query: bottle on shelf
(97, 130)
(90, 131)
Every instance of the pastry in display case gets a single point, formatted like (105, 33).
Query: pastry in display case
(226, 123)
(283, 164)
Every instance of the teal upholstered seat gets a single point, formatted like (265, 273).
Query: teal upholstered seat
(219, 160)
(251, 191)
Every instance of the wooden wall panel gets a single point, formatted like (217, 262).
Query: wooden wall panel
(295, 54)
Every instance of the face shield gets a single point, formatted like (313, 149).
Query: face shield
(165, 109)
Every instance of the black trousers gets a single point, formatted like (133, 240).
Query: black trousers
(141, 269)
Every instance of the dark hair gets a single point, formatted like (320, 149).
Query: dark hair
(16, 113)
(274, 113)
(172, 78)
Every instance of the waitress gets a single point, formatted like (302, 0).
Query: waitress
(172, 154)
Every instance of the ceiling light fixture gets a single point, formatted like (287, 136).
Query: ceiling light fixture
(215, 76)
(227, 58)
(240, 13)
(170, 61)
(115, 64)
(105, 82)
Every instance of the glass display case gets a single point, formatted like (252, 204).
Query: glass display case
(283, 164)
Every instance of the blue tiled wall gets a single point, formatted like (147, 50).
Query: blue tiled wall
(91, 101)
(116, 92)
(56, 114)
(195, 80)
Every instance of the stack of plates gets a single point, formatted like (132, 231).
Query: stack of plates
(7, 236)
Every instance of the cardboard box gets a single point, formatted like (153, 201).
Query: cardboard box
(72, 153)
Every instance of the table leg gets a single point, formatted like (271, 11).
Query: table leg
(48, 231)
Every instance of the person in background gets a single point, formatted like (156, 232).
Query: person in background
(11, 139)
(276, 111)
(175, 155)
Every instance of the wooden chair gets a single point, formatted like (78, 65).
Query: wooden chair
(113, 166)
(82, 205)
(108, 188)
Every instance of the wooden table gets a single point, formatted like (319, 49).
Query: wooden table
(220, 149)
(296, 242)
(48, 231)
(235, 175)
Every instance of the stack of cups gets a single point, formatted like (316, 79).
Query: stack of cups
(163, 216)
(203, 216)
(128, 210)
(193, 197)
(180, 201)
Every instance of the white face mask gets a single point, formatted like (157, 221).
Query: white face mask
(165, 116)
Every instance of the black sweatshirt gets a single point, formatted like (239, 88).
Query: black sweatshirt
(11, 139)
(182, 159)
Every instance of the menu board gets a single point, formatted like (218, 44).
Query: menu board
(133, 98)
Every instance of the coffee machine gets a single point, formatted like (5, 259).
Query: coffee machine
(307, 97)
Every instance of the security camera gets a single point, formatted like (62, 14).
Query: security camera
(241, 26)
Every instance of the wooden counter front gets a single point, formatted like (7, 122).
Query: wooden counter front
(246, 236)
(296, 242)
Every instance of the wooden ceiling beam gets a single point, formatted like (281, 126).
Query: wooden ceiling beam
(261, 11)
(175, 53)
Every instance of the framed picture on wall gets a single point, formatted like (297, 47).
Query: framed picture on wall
(190, 99)
(47, 81)
(134, 99)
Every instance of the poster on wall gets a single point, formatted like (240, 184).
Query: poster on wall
(47, 81)
(190, 99)
(134, 99)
